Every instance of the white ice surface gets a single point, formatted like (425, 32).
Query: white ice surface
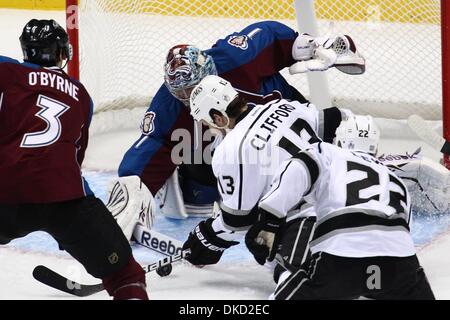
(231, 279)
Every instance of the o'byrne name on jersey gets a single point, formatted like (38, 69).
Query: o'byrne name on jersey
(50, 79)
(269, 125)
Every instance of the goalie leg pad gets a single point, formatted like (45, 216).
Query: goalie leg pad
(130, 202)
(170, 199)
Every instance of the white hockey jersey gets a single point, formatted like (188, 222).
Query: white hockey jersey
(363, 209)
(246, 160)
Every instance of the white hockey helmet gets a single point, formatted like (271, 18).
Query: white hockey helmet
(212, 94)
(358, 133)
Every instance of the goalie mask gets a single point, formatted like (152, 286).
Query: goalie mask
(359, 133)
(212, 96)
(185, 67)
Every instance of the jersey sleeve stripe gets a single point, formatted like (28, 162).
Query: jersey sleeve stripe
(329, 120)
(311, 166)
(225, 208)
(355, 222)
(239, 223)
(369, 212)
(289, 146)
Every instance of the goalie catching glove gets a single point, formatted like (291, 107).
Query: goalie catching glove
(206, 247)
(130, 202)
(322, 53)
(262, 239)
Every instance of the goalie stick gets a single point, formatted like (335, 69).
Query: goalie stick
(156, 241)
(427, 134)
(59, 282)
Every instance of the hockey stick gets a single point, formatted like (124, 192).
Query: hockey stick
(427, 134)
(59, 282)
(156, 241)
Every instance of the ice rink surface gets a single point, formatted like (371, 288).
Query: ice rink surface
(236, 277)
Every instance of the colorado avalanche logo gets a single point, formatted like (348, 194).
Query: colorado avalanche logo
(148, 125)
(240, 42)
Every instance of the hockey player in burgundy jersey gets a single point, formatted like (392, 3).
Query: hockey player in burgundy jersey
(44, 121)
(251, 60)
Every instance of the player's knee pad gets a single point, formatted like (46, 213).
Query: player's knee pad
(130, 202)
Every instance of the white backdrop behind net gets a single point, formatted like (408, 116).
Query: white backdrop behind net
(124, 43)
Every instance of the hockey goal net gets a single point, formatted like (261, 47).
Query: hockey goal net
(123, 45)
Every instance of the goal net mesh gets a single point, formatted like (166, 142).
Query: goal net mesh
(123, 44)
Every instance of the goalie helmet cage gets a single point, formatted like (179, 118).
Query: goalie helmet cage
(120, 46)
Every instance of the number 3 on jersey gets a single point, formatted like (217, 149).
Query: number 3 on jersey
(50, 113)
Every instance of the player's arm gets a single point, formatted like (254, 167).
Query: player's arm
(237, 210)
(82, 142)
(329, 119)
(4, 59)
(146, 166)
(322, 123)
(255, 53)
(84, 138)
(4, 79)
(294, 180)
(150, 156)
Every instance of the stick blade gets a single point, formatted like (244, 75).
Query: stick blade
(57, 281)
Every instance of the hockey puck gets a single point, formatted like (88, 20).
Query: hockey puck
(164, 271)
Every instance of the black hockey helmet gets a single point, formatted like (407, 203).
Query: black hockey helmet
(42, 42)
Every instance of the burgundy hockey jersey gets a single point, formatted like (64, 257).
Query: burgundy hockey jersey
(44, 120)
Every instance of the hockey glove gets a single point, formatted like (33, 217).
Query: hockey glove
(303, 47)
(206, 247)
(262, 239)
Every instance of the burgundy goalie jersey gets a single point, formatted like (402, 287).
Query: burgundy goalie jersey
(44, 120)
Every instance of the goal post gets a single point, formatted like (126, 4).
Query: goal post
(445, 33)
(319, 92)
(72, 25)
